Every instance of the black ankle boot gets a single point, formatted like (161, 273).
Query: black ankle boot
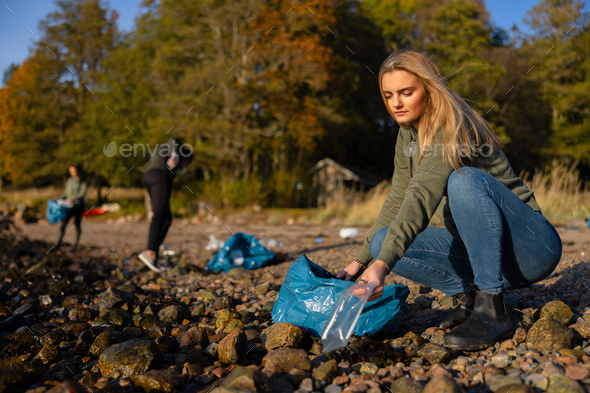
(461, 312)
(488, 323)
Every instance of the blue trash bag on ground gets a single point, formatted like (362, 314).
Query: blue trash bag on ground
(242, 250)
(309, 292)
(55, 212)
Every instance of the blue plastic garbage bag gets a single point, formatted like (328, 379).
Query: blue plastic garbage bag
(243, 250)
(309, 292)
(55, 212)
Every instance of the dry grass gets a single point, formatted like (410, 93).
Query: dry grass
(354, 208)
(33, 197)
(559, 192)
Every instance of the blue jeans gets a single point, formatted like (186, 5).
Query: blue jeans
(505, 244)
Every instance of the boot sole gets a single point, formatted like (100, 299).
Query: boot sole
(477, 347)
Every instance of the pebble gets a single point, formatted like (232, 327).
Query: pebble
(577, 373)
(158, 381)
(369, 368)
(129, 358)
(333, 389)
(561, 384)
(285, 335)
(233, 347)
(283, 360)
(558, 310)
(434, 353)
(356, 388)
(307, 385)
(406, 385)
(326, 371)
(497, 381)
(441, 384)
(515, 389)
(548, 334)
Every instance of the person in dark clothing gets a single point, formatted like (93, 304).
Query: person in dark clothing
(74, 194)
(160, 172)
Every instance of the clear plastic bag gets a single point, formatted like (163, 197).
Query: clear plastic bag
(344, 315)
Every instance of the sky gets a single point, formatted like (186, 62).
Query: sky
(19, 22)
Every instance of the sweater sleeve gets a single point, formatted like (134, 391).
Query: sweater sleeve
(395, 197)
(79, 193)
(423, 195)
(66, 192)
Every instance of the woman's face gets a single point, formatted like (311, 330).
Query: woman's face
(406, 96)
(73, 172)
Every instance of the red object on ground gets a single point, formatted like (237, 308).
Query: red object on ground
(95, 211)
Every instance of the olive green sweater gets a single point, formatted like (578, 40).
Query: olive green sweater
(75, 190)
(420, 191)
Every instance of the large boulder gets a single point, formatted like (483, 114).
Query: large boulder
(232, 347)
(283, 360)
(129, 358)
(285, 335)
(548, 334)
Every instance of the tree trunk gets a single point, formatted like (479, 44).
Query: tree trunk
(96, 183)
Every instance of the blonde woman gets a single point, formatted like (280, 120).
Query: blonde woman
(449, 162)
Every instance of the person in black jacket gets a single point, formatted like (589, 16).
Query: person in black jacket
(169, 158)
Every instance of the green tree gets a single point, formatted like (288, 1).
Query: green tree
(121, 111)
(242, 81)
(458, 39)
(48, 94)
(559, 48)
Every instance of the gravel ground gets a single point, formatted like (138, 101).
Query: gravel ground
(98, 320)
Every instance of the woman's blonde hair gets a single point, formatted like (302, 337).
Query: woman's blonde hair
(465, 131)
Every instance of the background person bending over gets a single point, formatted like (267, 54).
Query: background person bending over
(74, 194)
(169, 158)
(448, 161)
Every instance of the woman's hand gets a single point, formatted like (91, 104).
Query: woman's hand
(172, 162)
(376, 273)
(350, 272)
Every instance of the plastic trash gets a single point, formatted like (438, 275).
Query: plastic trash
(318, 240)
(272, 243)
(588, 223)
(243, 250)
(344, 315)
(64, 203)
(237, 256)
(56, 210)
(111, 207)
(347, 233)
(214, 244)
(309, 293)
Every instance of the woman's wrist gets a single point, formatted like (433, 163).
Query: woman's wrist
(359, 262)
(382, 265)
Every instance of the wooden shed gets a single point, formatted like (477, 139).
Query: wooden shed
(330, 178)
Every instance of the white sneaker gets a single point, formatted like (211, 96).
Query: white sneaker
(151, 263)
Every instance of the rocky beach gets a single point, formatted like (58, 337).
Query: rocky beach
(96, 320)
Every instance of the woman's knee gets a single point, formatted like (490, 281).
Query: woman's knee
(462, 180)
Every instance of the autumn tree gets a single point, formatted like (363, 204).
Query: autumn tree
(33, 118)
